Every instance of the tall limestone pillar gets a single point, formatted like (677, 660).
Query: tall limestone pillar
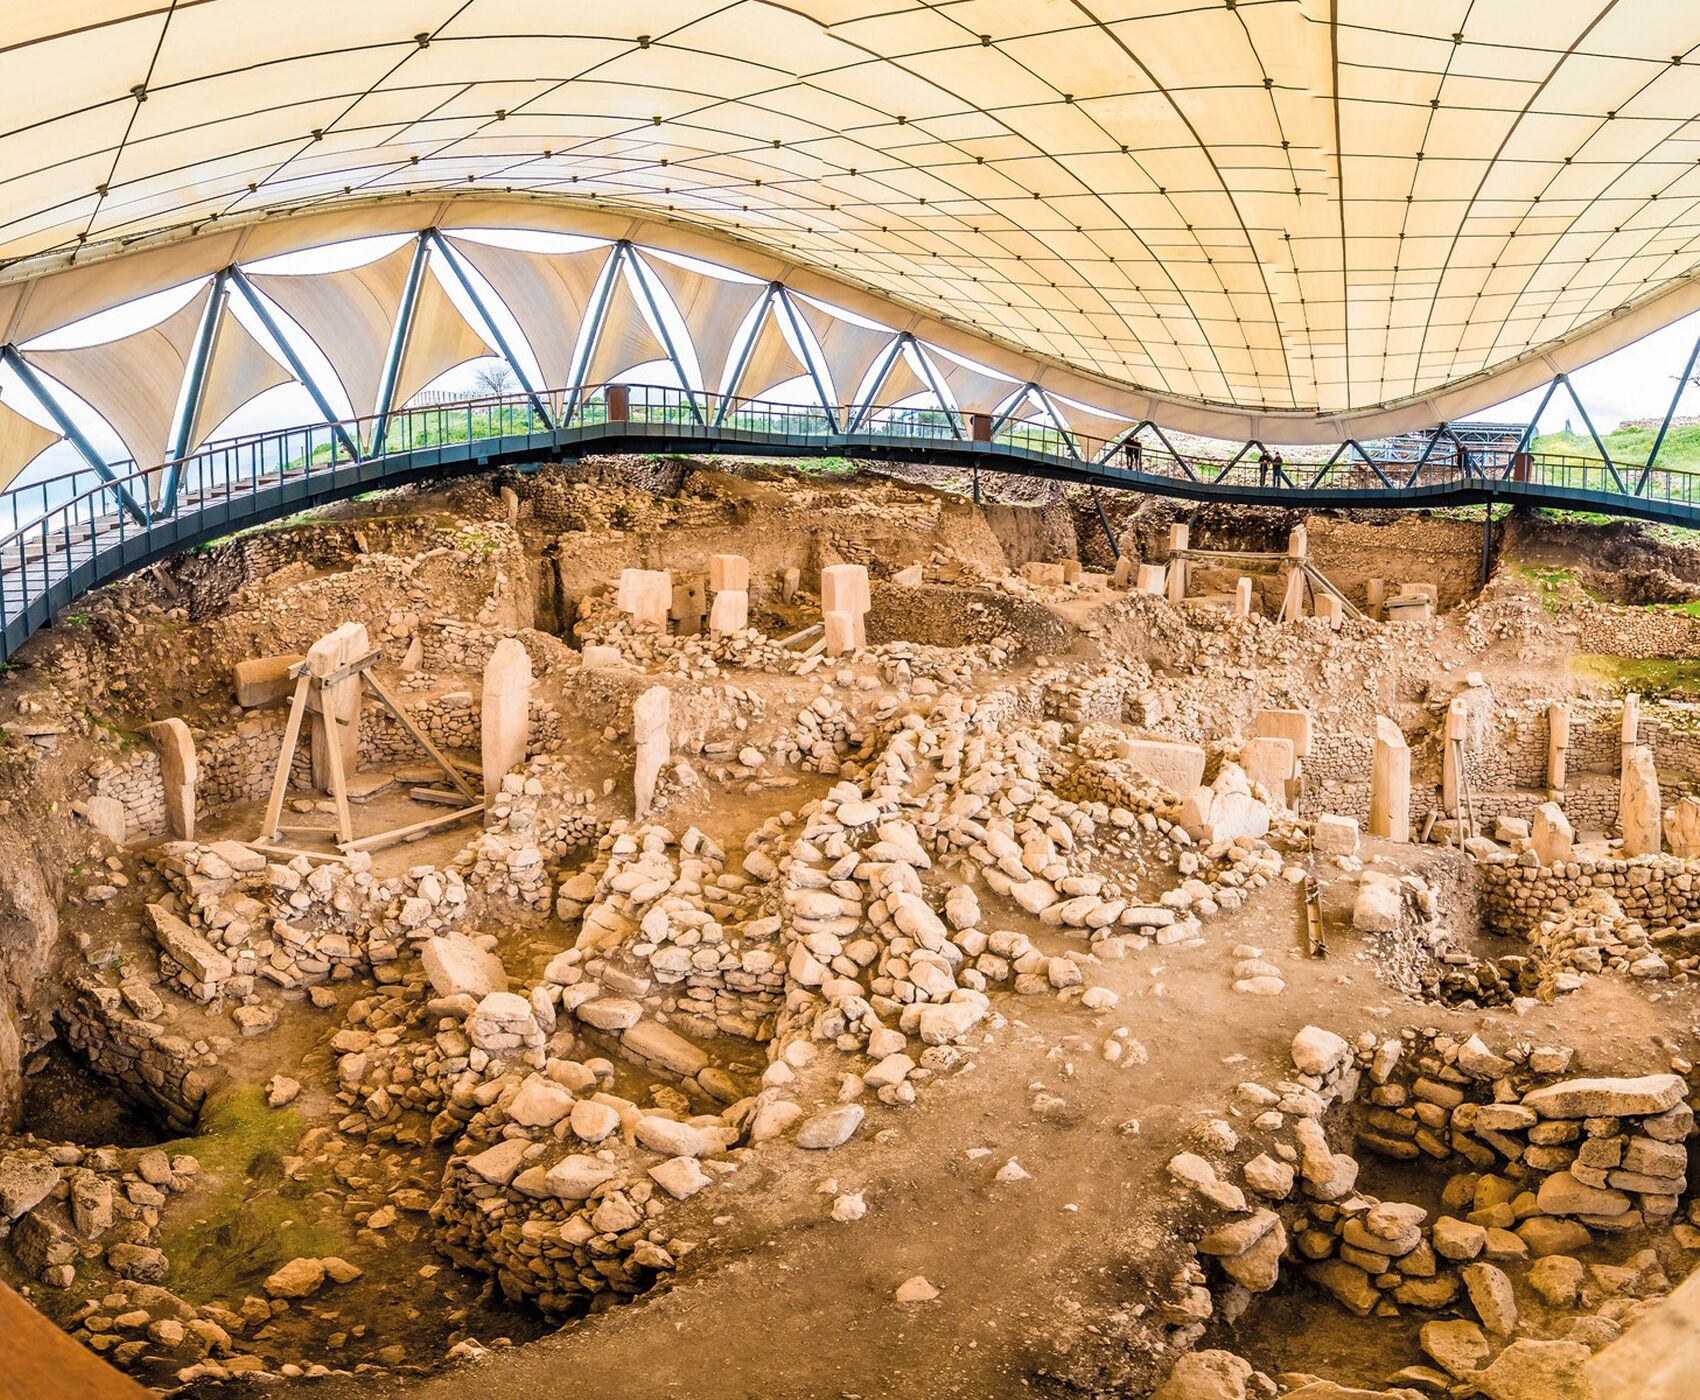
(506, 716)
(1558, 747)
(1639, 811)
(1390, 783)
(652, 712)
(179, 769)
(336, 709)
(1180, 538)
(1456, 727)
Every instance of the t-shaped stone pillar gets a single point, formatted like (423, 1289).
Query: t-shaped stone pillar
(1150, 578)
(337, 701)
(1242, 598)
(1180, 536)
(1455, 728)
(730, 612)
(506, 714)
(647, 594)
(1558, 746)
(651, 713)
(1390, 783)
(844, 588)
(728, 573)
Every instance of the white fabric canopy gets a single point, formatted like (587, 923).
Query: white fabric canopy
(973, 391)
(1267, 216)
(548, 295)
(350, 316)
(438, 339)
(134, 381)
(771, 360)
(848, 349)
(713, 309)
(625, 340)
(22, 440)
(239, 369)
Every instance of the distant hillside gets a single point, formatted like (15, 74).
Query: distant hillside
(1681, 450)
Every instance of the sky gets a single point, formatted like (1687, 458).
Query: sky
(1637, 381)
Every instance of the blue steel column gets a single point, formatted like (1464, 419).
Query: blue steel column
(262, 313)
(1670, 413)
(641, 274)
(950, 415)
(72, 433)
(196, 384)
(784, 300)
(398, 346)
(744, 352)
(593, 331)
(466, 285)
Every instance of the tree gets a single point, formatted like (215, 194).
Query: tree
(492, 379)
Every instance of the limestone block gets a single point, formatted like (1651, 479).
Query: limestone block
(1271, 762)
(1638, 807)
(510, 505)
(1123, 574)
(1375, 596)
(1180, 539)
(1293, 600)
(1454, 731)
(912, 577)
(594, 656)
(1558, 746)
(689, 605)
(337, 707)
(1298, 542)
(1430, 591)
(1177, 767)
(1629, 734)
(457, 966)
(647, 594)
(1408, 609)
(1242, 598)
(1329, 610)
(844, 588)
(178, 770)
(728, 573)
(1682, 828)
(651, 713)
(790, 581)
(730, 612)
(265, 680)
(1072, 570)
(1151, 578)
(1390, 783)
(1036, 572)
(1335, 835)
(1225, 811)
(1292, 725)
(506, 720)
(106, 815)
(839, 629)
(1551, 835)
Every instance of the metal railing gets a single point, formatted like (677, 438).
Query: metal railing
(65, 534)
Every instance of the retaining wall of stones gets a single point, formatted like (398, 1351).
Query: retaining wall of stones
(144, 1060)
(1654, 890)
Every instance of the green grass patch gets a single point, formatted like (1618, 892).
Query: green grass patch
(1679, 452)
(247, 1218)
(1641, 675)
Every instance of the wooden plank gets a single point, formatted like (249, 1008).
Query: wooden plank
(441, 796)
(285, 759)
(399, 710)
(402, 833)
(339, 789)
(39, 1362)
(273, 848)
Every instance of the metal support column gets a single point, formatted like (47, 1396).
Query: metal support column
(466, 285)
(398, 346)
(195, 384)
(593, 331)
(950, 415)
(642, 278)
(744, 352)
(888, 358)
(1057, 421)
(1670, 413)
(239, 280)
(72, 433)
(1104, 520)
(1487, 542)
(783, 298)
(1588, 423)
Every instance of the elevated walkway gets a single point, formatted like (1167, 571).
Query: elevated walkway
(69, 534)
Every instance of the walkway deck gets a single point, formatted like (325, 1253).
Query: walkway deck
(73, 533)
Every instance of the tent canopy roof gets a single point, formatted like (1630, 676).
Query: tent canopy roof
(1293, 210)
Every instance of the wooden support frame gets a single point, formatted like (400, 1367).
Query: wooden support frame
(309, 688)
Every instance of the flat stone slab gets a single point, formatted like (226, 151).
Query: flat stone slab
(363, 787)
(456, 965)
(652, 1041)
(1608, 1098)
